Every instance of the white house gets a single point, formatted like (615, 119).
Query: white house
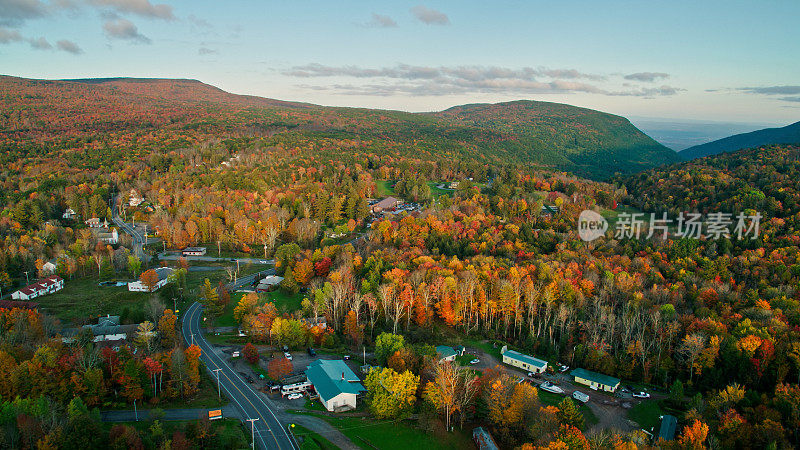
(95, 222)
(68, 214)
(523, 361)
(109, 238)
(163, 278)
(49, 267)
(135, 198)
(268, 283)
(338, 387)
(45, 286)
(445, 353)
(193, 251)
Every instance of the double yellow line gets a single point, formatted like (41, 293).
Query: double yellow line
(194, 310)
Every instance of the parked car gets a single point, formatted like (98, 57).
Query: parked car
(563, 368)
(285, 348)
(346, 357)
(641, 394)
(294, 396)
(475, 361)
(312, 352)
(287, 355)
(263, 261)
(550, 387)
(580, 396)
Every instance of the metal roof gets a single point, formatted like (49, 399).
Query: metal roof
(444, 351)
(332, 377)
(668, 426)
(525, 358)
(596, 377)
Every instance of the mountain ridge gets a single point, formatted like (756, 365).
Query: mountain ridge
(790, 134)
(583, 141)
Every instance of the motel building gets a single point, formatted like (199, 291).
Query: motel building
(596, 381)
(523, 361)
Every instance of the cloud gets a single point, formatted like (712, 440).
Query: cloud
(40, 43)
(772, 90)
(648, 77)
(139, 7)
(404, 79)
(430, 16)
(790, 99)
(381, 21)
(8, 36)
(15, 12)
(124, 29)
(206, 51)
(69, 47)
(199, 23)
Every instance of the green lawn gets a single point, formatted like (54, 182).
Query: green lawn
(383, 188)
(283, 301)
(83, 298)
(435, 191)
(311, 440)
(394, 435)
(646, 413)
(551, 399)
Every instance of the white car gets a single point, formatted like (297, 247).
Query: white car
(287, 355)
(641, 394)
(475, 361)
(294, 396)
(550, 387)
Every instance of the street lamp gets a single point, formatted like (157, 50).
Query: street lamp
(253, 431)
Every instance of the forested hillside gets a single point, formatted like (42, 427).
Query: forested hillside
(714, 325)
(579, 140)
(789, 134)
(85, 114)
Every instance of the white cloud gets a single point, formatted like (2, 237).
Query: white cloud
(124, 29)
(69, 47)
(381, 21)
(430, 16)
(139, 7)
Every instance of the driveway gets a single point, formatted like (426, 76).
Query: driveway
(606, 407)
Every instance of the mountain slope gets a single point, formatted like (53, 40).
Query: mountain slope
(173, 112)
(579, 140)
(789, 134)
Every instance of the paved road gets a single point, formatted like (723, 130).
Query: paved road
(130, 415)
(269, 432)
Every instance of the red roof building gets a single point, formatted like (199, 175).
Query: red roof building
(44, 286)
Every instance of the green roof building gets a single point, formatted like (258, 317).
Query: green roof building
(446, 353)
(335, 383)
(596, 381)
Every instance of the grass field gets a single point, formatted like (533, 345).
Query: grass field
(83, 298)
(311, 440)
(435, 191)
(646, 414)
(383, 188)
(394, 435)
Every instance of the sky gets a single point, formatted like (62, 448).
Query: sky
(734, 61)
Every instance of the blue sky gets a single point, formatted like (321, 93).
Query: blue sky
(703, 60)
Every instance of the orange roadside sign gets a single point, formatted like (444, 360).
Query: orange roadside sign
(215, 414)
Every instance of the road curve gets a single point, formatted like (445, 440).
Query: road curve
(269, 433)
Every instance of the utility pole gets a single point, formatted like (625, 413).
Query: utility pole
(27, 280)
(253, 431)
(135, 412)
(192, 338)
(219, 389)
